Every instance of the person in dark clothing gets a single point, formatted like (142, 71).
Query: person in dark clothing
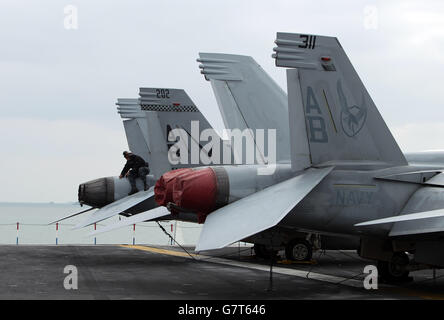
(135, 167)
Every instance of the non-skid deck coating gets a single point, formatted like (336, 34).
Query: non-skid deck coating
(144, 272)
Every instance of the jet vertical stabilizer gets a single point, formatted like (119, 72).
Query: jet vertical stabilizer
(248, 97)
(136, 128)
(342, 122)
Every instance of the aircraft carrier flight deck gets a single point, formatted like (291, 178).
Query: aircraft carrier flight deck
(167, 272)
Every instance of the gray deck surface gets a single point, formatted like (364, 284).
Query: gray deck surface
(117, 272)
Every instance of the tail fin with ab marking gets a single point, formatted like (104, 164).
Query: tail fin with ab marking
(341, 120)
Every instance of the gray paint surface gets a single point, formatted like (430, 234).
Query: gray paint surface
(247, 97)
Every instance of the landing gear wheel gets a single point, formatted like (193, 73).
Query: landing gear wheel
(299, 250)
(262, 251)
(396, 269)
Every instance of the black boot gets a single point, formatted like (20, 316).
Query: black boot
(145, 187)
(133, 191)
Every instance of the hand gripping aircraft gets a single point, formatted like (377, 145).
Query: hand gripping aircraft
(347, 177)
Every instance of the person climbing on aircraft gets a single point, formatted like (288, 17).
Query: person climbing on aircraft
(135, 167)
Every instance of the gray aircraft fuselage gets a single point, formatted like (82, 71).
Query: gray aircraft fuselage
(348, 196)
(112, 188)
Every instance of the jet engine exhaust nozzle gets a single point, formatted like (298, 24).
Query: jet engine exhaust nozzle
(97, 193)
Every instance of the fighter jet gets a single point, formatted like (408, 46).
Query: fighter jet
(234, 79)
(248, 97)
(147, 130)
(147, 122)
(226, 74)
(242, 76)
(348, 176)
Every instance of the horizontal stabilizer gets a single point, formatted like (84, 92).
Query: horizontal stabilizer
(248, 98)
(116, 207)
(72, 215)
(129, 108)
(404, 217)
(141, 217)
(425, 177)
(257, 212)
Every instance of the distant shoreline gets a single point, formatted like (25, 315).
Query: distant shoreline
(38, 203)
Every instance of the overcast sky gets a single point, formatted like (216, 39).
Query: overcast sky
(58, 87)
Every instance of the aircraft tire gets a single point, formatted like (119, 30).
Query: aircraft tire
(299, 250)
(395, 270)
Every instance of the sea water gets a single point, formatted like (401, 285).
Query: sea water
(33, 228)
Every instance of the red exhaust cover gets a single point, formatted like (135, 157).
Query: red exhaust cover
(196, 191)
(163, 190)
